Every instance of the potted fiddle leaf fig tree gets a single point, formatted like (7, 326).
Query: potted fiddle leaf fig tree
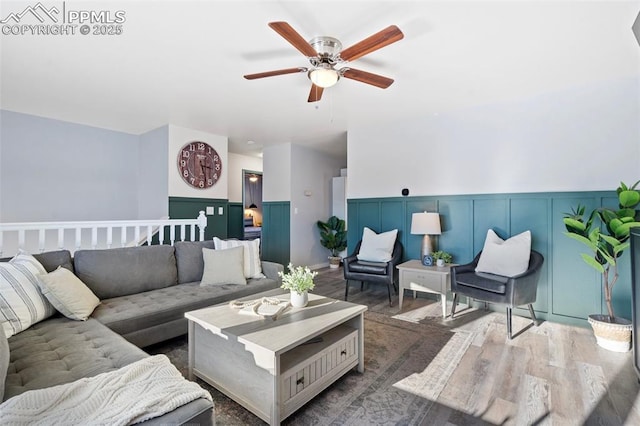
(333, 236)
(605, 232)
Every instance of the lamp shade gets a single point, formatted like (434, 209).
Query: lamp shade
(424, 223)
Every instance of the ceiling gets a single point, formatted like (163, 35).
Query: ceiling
(182, 62)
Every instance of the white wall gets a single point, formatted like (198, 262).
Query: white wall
(276, 161)
(311, 200)
(586, 138)
(53, 170)
(178, 137)
(153, 177)
(237, 163)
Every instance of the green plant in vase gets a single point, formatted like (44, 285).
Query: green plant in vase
(605, 232)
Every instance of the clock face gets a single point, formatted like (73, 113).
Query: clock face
(427, 260)
(199, 165)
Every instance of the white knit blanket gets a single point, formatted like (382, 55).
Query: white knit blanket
(140, 391)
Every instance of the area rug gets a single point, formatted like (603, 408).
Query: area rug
(406, 368)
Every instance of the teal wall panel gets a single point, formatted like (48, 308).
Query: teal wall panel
(575, 291)
(456, 220)
(568, 290)
(533, 214)
(276, 231)
(235, 224)
(490, 213)
(189, 208)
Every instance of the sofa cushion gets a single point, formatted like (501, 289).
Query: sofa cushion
(60, 350)
(52, 259)
(251, 263)
(70, 296)
(223, 266)
(122, 271)
(483, 281)
(189, 259)
(130, 314)
(22, 303)
(5, 355)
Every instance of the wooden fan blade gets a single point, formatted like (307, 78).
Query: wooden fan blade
(292, 36)
(367, 77)
(315, 94)
(383, 38)
(276, 72)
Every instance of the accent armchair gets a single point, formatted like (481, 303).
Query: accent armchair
(513, 291)
(374, 272)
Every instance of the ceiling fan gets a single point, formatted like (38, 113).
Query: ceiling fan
(328, 60)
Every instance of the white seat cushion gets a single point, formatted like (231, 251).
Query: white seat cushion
(252, 264)
(377, 247)
(68, 294)
(505, 257)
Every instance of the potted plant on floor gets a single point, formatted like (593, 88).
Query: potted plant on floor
(299, 281)
(333, 236)
(442, 257)
(606, 246)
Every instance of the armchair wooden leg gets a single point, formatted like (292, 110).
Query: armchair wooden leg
(454, 303)
(346, 291)
(509, 322)
(533, 315)
(389, 290)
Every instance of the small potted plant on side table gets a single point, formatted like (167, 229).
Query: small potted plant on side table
(442, 257)
(299, 281)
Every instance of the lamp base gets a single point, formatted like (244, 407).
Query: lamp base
(427, 246)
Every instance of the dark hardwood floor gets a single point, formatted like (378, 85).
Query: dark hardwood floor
(553, 374)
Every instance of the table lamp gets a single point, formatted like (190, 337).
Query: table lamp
(426, 224)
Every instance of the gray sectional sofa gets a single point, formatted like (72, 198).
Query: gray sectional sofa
(144, 293)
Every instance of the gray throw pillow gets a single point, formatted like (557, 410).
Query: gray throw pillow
(223, 266)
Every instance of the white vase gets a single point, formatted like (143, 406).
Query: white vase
(299, 300)
(440, 262)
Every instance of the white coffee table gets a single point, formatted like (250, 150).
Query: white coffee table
(263, 364)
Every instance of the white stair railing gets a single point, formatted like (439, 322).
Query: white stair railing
(36, 236)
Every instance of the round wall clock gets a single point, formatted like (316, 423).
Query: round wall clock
(199, 165)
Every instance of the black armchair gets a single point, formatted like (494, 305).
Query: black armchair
(375, 272)
(511, 291)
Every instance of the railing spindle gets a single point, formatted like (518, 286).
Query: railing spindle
(41, 240)
(94, 237)
(109, 236)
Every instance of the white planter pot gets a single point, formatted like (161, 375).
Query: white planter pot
(299, 300)
(440, 262)
(613, 336)
(334, 262)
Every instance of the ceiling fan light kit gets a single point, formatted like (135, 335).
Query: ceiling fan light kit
(324, 53)
(324, 76)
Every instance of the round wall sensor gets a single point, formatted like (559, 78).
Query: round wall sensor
(405, 191)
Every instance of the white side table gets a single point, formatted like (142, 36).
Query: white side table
(431, 279)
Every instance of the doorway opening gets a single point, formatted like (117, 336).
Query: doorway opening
(252, 204)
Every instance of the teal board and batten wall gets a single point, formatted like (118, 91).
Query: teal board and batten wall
(235, 223)
(568, 290)
(189, 208)
(276, 231)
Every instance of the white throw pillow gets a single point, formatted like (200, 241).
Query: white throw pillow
(223, 266)
(505, 257)
(68, 294)
(377, 247)
(252, 264)
(21, 302)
